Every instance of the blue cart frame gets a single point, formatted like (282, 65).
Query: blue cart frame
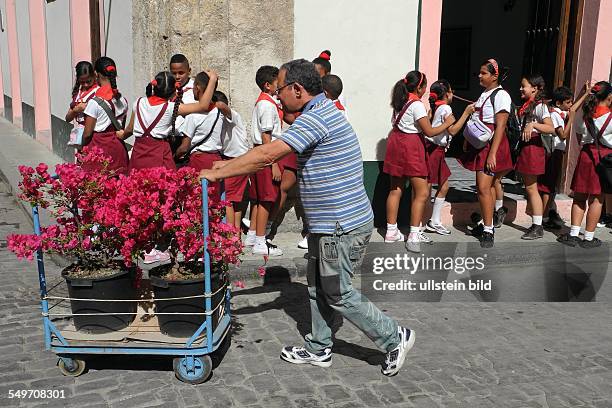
(193, 363)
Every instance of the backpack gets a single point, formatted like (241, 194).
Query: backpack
(513, 128)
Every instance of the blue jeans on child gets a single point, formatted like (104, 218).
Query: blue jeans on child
(332, 260)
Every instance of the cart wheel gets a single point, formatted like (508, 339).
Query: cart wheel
(202, 369)
(77, 368)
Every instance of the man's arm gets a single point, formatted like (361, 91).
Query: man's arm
(256, 159)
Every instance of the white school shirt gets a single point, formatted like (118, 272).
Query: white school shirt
(148, 113)
(342, 100)
(265, 120)
(188, 97)
(102, 120)
(442, 112)
(234, 136)
(197, 126)
(540, 112)
(557, 117)
(502, 104)
(408, 122)
(606, 138)
(83, 96)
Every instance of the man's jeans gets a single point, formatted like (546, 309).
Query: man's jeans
(332, 260)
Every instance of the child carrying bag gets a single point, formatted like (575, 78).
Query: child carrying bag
(476, 132)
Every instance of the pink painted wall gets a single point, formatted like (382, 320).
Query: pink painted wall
(429, 48)
(79, 31)
(11, 23)
(603, 44)
(38, 40)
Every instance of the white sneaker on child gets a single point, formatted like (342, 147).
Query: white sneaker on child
(249, 241)
(303, 244)
(266, 249)
(246, 222)
(439, 228)
(394, 236)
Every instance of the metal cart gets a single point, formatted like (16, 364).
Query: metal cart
(192, 363)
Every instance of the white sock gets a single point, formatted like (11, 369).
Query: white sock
(414, 234)
(488, 229)
(574, 230)
(499, 204)
(589, 235)
(251, 233)
(537, 219)
(260, 240)
(391, 227)
(437, 209)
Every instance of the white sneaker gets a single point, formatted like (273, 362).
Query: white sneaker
(396, 357)
(439, 228)
(268, 228)
(413, 246)
(424, 238)
(156, 256)
(246, 222)
(394, 236)
(303, 244)
(267, 249)
(249, 241)
(299, 355)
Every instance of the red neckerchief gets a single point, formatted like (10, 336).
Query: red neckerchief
(412, 96)
(600, 111)
(84, 92)
(339, 105)
(266, 97)
(523, 109)
(105, 92)
(156, 100)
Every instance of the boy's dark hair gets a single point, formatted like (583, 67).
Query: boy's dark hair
(164, 86)
(332, 84)
(561, 94)
(106, 67)
(304, 73)
(266, 73)
(221, 97)
(410, 83)
(81, 68)
(179, 59)
(323, 60)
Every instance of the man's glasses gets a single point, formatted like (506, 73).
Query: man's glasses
(278, 90)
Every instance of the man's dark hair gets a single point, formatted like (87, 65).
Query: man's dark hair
(332, 84)
(304, 73)
(179, 59)
(266, 73)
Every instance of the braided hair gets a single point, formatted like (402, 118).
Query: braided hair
(164, 85)
(106, 67)
(437, 92)
(413, 81)
(599, 92)
(82, 68)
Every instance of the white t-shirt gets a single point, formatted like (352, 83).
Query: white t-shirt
(502, 104)
(234, 136)
(148, 113)
(606, 138)
(540, 112)
(197, 126)
(557, 117)
(265, 120)
(83, 96)
(408, 122)
(442, 112)
(188, 97)
(102, 120)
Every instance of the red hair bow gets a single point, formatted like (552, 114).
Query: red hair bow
(433, 95)
(110, 68)
(595, 89)
(325, 56)
(154, 82)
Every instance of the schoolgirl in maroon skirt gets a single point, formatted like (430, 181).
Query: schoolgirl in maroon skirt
(535, 119)
(85, 87)
(492, 161)
(595, 136)
(406, 157)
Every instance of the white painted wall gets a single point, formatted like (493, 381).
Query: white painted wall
(59, 55)
(118, 27)
(4, 54)
(373, 44)
(25, 51)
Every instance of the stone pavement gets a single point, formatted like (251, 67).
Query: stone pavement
(467, 354)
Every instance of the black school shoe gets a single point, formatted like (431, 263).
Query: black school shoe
(478, 230)
(534, 232)
(475, 218)
(567, 239)
(499, 216)
(487, 239)
(555, 218)
(594, 243)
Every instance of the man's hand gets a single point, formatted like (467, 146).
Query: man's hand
(219, 164)
(209, 174)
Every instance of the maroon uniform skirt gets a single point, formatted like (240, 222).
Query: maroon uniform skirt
(150, 152)
(288, 162)
(438, 169)
(111, 147)
(586, 179)
(263, 188)
(532, 158)
(235, 186)
(405, 156)
(547, 183)
(205, 160)
(476, 159)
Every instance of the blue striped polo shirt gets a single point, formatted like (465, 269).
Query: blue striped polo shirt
(330, 168)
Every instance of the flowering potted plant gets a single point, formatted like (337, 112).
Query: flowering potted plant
(74, 199)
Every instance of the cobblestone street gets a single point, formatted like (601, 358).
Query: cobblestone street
(466, 354)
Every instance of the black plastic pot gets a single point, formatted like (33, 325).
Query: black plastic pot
(184, 325)
(117, 286)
